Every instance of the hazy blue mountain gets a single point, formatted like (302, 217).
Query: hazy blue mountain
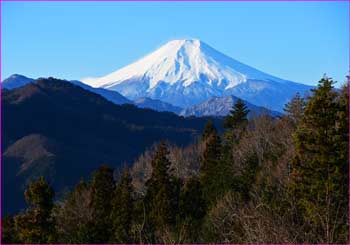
(221, 106)
(157, 105)
(112, 96)
(16, 81)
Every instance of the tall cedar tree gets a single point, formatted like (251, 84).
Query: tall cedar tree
(162, 192)
(36, 225)
(210, 168)
(209, 129)
(244, 182)
(122, 210)
(320, 168)
(102, 188)
(295, 109)
(235, 124)
(238, 116)
(192, 208)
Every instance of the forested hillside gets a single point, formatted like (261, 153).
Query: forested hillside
(262, 180)
(63, 132)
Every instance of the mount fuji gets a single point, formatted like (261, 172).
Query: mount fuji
(188, 72)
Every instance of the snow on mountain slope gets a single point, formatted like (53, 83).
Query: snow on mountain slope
(188, 72)
(183, 60)
(269, 94)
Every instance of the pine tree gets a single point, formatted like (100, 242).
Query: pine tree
(162, 192)
(122, 210)
(102, 188)
(36, 225)
(320, 168)
(192, 204)
(237, 117)
(246, 180)
(192, 208)
(235, 125)
(295, 109)
(209, 129)
(341, 177)
(210, 169)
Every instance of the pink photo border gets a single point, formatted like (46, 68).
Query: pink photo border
(348, 76)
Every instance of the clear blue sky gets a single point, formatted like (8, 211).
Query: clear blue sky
(296, 41)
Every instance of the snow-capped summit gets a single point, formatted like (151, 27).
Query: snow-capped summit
(186, 60)
(183, 72)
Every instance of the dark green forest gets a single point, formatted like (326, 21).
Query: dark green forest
(261, 180)
(58, 130)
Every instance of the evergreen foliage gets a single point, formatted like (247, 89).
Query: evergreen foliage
(162, 193)
(237, 117)
(122, 210)
(192, 208)
(209, 129)
(295, 109)
(235, 124)
(74, 216)
(209, 174)
(36, 225)
(271, 180)
(320, 169)
(247, 179)
(102, 188)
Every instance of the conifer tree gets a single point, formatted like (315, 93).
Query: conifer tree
(192, 208)
(192, 204)
(320, 169)
(247, 178)
(295, 109)
(162, 192)
(102, 188)
(237, 117)
(209, 129)
(235, 125)
(210, 169)
(36, 225)
(122, 210)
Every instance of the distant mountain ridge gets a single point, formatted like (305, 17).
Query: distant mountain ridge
(157, 105)
(16, 81)
(221, 106)
(64, 132)
(188, 72)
